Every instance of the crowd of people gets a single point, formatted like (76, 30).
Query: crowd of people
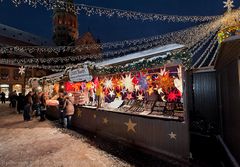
(34, 105)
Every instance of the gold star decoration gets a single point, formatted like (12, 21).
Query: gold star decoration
(150, 90)
(21, 70)
(89, 85)
(119, 95)
(229, 5)
(105, 120)
(173, 135)
(79, 113)
(130, 125)
(94, 116)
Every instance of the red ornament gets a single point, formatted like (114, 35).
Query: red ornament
(135, 80)
(172, 96)
(69, 86)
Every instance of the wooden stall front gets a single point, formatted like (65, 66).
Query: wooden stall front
(228, 77)
(160, 135)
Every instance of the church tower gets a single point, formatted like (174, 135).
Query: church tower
(65, 26)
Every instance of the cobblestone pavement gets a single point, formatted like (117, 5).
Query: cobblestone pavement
(44, 144)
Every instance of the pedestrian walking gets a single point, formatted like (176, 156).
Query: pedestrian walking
(3, 97)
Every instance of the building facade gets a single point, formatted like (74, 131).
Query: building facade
(10, 78)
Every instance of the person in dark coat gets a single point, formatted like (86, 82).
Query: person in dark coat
(14, 97)
(61, 109)
(27, 106)
(20, 103)
(43, 107)
(3, 97)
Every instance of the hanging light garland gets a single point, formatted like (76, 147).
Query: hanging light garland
(108, 12)
(206, 51)
(188, 37)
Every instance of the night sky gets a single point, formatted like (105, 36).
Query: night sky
(39, 21)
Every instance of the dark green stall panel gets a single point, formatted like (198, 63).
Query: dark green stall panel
(205, 97)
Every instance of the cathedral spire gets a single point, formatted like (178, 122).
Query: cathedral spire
(65, 26)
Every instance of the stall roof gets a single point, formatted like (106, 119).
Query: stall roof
(55, 75)
(228, 51)
(142, 54)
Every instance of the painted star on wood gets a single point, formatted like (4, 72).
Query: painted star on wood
(130, 125)
(79, 113)
(105, 120)
(229, 5)
(21, 70)
(173, 135)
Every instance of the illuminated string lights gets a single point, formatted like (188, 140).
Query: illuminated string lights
(108, 12)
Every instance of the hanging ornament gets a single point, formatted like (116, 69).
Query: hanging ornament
(119, 95)
(172, 96)
(165, 82)
(83, 85)
(135, 80)
(143, 81)
(127, 83)
(160, 91)
(21, 70)
(108, 83)
(140, 97)
(150, 91)
(124, 91)
(68, 86)
(229, 5)
(96, 82)
(111, 93)
(163, 71)
(76, 86)
(129, 96)
(137, 88)
(89, 85)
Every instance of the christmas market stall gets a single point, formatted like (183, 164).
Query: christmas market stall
(51, 85)
(138, 98)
